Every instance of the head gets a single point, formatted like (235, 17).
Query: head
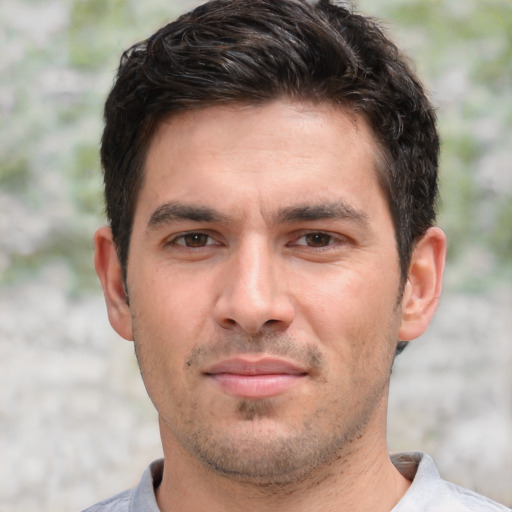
(270, 171)
(252, 53)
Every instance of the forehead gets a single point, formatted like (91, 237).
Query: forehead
(276, 149)
(264, 116)
(260, 124)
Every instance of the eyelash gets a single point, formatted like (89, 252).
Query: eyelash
(328, 240)
(184, 236)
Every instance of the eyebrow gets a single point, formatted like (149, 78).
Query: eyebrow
(338, 210)
(175, 211)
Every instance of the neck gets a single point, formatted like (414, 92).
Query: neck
(359, 480)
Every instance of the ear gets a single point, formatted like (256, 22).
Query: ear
(424, 284)
(111, 277)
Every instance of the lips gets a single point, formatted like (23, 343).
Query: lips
(255, 378)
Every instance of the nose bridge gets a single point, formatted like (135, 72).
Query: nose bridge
(254, 272)
(253, 293)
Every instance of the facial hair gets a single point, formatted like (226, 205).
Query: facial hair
(255, 452)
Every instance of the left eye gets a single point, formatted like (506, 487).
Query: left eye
(194, 240)
(315, 240)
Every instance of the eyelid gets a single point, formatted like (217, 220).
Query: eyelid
(175, 238)
(213, 239)
(336, 239)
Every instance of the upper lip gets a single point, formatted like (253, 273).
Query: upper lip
(266, 365)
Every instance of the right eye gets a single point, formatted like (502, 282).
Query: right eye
(193, 240)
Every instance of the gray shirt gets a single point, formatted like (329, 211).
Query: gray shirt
(427, 493)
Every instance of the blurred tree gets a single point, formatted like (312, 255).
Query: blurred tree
(463, 51)
(60, 58)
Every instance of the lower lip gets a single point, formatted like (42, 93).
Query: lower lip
(256, 386)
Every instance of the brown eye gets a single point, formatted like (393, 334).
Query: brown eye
(318, 239)
(193, 240)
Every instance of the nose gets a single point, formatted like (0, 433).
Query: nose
(254, 295)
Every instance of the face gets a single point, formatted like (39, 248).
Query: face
(263, 280)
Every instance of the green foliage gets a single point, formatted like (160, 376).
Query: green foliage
(93, 28)
(86, 185)
(53, 83)
(500, 237)
(70, 249)
(14, 172)
(54, 77)
(463, 52)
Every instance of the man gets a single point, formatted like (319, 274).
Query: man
(270, 179)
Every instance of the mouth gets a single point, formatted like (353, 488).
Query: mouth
(261, 377)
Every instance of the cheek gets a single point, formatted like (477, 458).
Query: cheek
(342, 298)
(166, 297)
(170, 314)
(351, 313)
(161, 349)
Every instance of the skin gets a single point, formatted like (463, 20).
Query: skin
(261, 233)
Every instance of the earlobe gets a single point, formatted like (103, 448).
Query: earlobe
(424, 284)
(110, 274)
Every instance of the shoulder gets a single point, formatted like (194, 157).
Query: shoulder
(139, 499)
(118, 503)
(430, 493)
(466, 500)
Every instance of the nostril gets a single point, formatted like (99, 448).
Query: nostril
(274, 325)
(228, 323)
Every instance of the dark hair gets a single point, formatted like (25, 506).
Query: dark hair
(239, 51)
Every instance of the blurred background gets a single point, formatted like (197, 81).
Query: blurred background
(75, 422)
